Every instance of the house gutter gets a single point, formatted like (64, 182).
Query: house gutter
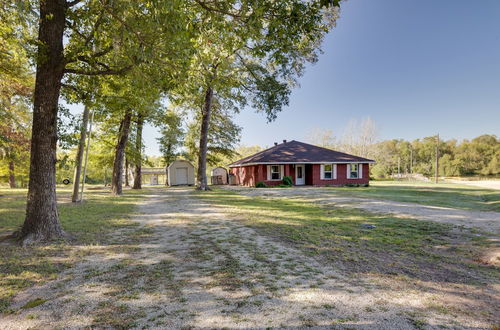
(286, 163)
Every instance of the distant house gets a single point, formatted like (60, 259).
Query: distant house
(305, 163)
(153, 175)
(149, 175)
(180, 172)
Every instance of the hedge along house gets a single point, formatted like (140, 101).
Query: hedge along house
(306, 164)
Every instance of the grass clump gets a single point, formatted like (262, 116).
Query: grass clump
(34, 303)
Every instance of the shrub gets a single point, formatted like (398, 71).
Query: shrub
(287, 181)
(260, 184)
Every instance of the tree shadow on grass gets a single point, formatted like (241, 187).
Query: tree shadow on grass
(195, 283)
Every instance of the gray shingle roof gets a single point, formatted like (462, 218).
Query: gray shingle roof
(298, 152)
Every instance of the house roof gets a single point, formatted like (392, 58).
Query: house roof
(298, 152)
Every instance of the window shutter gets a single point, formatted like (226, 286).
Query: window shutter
(322, 172)
(360, 171)
(282, 171)
(334, 168)
(268, 172)
(348, 175)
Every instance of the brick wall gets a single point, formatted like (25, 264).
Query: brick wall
(341, 176)
(250, 175)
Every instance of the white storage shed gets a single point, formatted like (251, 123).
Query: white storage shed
(180, 172)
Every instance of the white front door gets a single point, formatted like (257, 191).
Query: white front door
(300, 175)
(181, 175)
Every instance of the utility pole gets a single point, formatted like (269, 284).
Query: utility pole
(399, 168)
(87, 156)
(79, 155)
(437, 160)
(411, 159)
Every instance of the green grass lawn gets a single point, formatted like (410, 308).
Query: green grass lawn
(90, 222)
(446, 195)
(398, 246)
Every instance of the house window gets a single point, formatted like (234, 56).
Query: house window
(275, 172)
(328, 171)
(354, 171)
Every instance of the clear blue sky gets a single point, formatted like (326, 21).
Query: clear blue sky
(415, 67)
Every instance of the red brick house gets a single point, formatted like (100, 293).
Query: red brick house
(305, 163)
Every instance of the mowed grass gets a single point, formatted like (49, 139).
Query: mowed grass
(90, 223)
(396, 246)
(442, 194)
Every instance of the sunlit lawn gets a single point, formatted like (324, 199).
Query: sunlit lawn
(89, 222)
(407, 255)
(442, 194)
(415, 248)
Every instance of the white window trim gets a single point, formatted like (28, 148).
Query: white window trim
(334, 172)
(360, 171)
(280, 171)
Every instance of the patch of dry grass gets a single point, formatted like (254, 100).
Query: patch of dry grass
(90, 222)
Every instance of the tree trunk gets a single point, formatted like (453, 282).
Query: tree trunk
(202, 156)
(138, 153)
(12, 175)
(116, 181)
(42, 219)
(127, 184)
(75, 197)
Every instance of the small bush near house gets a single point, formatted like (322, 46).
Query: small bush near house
(287, 181)
(260, 184)
(351, 185)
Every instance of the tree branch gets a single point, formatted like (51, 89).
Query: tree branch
(70, 4)
(218, 10)
(86, 59)
(99, 72)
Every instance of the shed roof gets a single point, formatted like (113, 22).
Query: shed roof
(298, 152)
(177, 161)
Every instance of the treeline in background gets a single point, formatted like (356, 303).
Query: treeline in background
(479, 156)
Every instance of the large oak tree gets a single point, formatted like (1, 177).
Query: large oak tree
(89, 37)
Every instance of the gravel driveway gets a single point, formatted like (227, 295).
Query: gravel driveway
(191, 265)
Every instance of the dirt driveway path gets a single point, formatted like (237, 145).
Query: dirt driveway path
(487, 221)
(488, 184)
(191, 265)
